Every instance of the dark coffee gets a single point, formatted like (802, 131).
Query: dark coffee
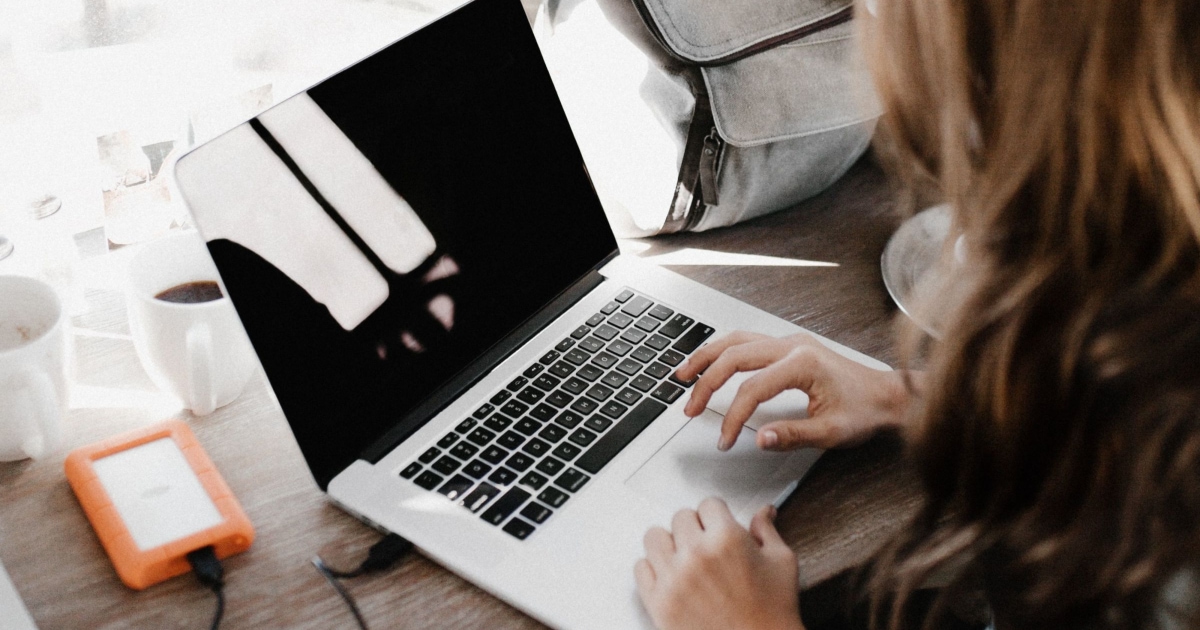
(192, 292)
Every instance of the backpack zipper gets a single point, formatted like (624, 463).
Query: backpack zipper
(709, 161)
(841, 16)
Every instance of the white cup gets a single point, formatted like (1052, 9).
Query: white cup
(33, 383)
(196, 351)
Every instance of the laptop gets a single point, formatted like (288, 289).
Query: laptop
(463, 355)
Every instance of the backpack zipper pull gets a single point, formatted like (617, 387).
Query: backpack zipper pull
(708, 167)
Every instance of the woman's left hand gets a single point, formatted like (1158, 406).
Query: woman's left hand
(710, 572)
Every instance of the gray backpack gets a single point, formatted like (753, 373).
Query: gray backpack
(758, 104)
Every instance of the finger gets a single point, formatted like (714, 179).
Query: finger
(787, 435)
(762, 527)
(705, 355)
(753, 355)
(660, 547)
(685, 527)
(644, 574)
(796, 371)
(715, 515)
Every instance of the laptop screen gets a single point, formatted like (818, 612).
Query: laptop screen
(382, 230)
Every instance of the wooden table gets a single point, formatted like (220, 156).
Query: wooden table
(846, 507)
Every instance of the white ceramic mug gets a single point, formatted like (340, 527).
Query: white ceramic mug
(33, 383)
(197, 351)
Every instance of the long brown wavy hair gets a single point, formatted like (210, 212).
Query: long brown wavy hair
(1057, 429)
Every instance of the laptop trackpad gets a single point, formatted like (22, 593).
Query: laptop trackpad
(689, 468)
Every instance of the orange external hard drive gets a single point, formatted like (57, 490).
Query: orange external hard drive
(153, 496)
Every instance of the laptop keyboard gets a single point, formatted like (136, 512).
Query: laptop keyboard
(539, 440)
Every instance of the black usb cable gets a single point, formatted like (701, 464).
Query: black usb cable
(382, 555)
(212, 575)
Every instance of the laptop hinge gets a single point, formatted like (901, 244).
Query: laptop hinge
(480, 368)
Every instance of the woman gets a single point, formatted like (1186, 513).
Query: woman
(1057, 428)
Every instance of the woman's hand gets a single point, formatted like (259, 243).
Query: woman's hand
(848, 402)
(709, 572)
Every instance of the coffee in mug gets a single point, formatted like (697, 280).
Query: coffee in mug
(192, 292)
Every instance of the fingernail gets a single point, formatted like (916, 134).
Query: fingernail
(682, 366)
(770, 439)
(723, 444)
(772, 513)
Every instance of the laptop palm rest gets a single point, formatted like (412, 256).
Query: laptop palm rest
(689, 468)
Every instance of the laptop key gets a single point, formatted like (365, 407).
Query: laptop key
(658, 342)
(553, 497)
(620, 436)
(595, 320)
(566, 451)
(500, 397)
(428, 480)
(464, 451)
(562, 369)
(647, 324)
(693, 338)
(533, 480)
(448, 440)
(552, 433)
(537, 512)
(584, 406)
(657, 370)
(481, 436)
(581, 332)
(560, 399)
(516, 384)
(502, 476)
(483, 411)
(623, 296)
(519, 462)
(493, 454)
(633, 335)
(577, 357)
(410, 470)
(629, 366)
(606, 332)
(533, 370)
(429, 455)
(514, 409)
(604, 360)
(676, 326)
(477, 469)
(582, 437)
(671, 358)
(446, 465)
(498, 423)
(599, 392)
(536, 447)
(613, 409)
(480, 497)
(575, 386)
(682, 383)
(511, 440)
(619, 348)
(643, 383)
(547, 382)
(591, 344)
(518, 529)
(610, 307)
(527, 426)
(636, 306)
(629, 396)
(565, 344)
(590, 373)
(504, 507)
(598, 423)
(550, 466)
(549, 357)
(614, 379)
(568, 419)
(571, 480)
(643, 354)
(531, 395)
(456, 487)
(660, 312)
(543, 412)
(466, 425)
(620, 320)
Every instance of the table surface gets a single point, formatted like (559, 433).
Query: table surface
(848, 505)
